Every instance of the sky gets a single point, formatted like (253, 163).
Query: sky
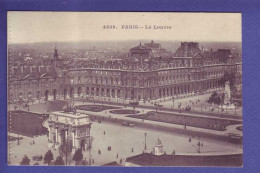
(30, 27)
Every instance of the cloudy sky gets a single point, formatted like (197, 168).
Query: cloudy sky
(29, 27)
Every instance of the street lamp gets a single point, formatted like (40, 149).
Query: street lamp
(198, 144)
(145, 147)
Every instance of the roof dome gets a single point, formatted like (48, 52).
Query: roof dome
(140, 51)
(188, 49)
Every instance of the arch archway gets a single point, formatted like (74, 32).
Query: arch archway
(132, 94)
(108, 93)
(38, 95)
(87, 90)
(102, 92)
(65, 93)
(118, 93)
(92, 91)
(29, 95)
(83, 144)
(54, 94)
(113, 93)
(46, 95)
(79, 91)
(97, 91)
(71, 93)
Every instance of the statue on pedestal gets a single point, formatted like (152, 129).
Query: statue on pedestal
(227, 93)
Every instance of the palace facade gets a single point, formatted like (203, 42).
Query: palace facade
(148, 73)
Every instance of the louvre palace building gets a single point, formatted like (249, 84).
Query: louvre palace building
(149, 72)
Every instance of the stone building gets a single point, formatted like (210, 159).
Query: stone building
(148, 73)
(72, 129)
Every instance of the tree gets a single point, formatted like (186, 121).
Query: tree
(25, 161)
(228, 76)
(78, 156)
(84, 162)
(48, 157)
(59, 161)
(215, 98)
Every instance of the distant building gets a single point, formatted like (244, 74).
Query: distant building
(152, 45)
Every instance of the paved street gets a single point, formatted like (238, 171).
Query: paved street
(129, 137)
(122, 144)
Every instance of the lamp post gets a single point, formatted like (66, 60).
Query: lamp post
(145, 147)
(198, 144)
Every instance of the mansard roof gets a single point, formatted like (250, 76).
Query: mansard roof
(33, 73)
(188, 49)
(153, 45)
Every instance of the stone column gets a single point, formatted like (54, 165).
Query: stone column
(66, 135)
(50, 133)
(76, 141)
(73, 139)
(59, 138)
(115, 93)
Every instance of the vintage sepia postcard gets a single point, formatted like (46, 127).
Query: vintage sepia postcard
(124, 89)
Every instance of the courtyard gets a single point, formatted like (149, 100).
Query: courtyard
(131, 140)
(127, 143)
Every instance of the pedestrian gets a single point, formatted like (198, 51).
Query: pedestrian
(117, 155)
(173, 153)
(132, 149)
(104, 132)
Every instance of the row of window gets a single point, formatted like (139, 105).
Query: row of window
(28, 85)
